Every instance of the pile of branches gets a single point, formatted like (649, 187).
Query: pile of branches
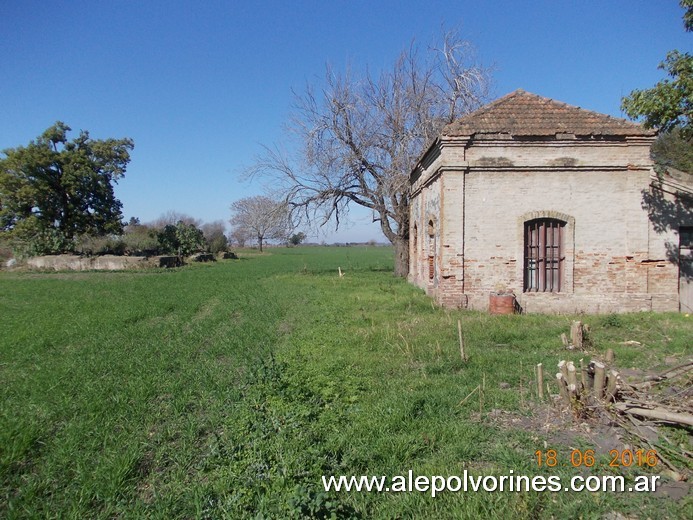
(665, 398)
(674, 406)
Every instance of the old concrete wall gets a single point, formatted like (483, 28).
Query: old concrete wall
(97, 263)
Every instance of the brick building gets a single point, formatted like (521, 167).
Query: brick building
(556, 204)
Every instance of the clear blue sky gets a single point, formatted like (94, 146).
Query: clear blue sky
(200, 85)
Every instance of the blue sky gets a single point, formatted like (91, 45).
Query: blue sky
(201, 85)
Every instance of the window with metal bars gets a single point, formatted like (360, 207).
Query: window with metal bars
(544, 256)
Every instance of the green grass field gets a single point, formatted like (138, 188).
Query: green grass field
(228, 390)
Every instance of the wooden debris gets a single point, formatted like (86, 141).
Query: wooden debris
(659, 414)
(634, 406)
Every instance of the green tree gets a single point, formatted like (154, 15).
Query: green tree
(297, 238)
(53, 190)
(669, 104)
(182, 239)
(688, 15)
(671, 150)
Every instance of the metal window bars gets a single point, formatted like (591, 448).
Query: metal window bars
(544, 255)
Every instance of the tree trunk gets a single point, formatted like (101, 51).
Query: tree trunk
(259, 240)
(401, 256)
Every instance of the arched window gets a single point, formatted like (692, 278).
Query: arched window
(544, 255)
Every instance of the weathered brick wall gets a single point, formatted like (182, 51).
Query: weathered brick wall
(615, 259)
(424, 251)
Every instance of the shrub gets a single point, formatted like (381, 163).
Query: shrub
(141, 240)
(182, 239)
(45, 242)
(100, 245)
(217, 243)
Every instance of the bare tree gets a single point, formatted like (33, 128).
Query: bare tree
(359, 137)
(215, 236)
(265, 218)
(239, 236)
(172, 217)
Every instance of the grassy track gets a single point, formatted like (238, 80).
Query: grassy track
(227, 390)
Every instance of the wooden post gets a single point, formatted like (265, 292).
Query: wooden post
(562, 387)
(576, 334)
(599, 379)
(572, 378)
(583, 374)
(610, 356)
(563, 367)
(611, 385)
(564, 340)
(461, 338)
(572, 391)
(540, 380)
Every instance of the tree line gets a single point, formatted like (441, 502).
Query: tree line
(57, 196)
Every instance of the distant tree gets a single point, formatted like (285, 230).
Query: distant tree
(53, 189)
(669, 104)
(134, 221)
(182, 239)
(297, 238)
(265, 218)
(239, 236)
(215, 237)
(359, 137)
(172, 217)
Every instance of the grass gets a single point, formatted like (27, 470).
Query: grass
(227, 390)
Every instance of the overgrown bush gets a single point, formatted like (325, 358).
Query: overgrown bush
(100, 245)
(297, 238)
(215, 237)
(140, 240)
(5, 253)
(50, 241)
(182, 239)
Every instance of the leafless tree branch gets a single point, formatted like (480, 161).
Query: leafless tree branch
(358, 137)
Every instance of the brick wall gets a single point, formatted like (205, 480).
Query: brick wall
(484, 193)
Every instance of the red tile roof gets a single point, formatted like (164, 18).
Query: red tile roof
(521, 113)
